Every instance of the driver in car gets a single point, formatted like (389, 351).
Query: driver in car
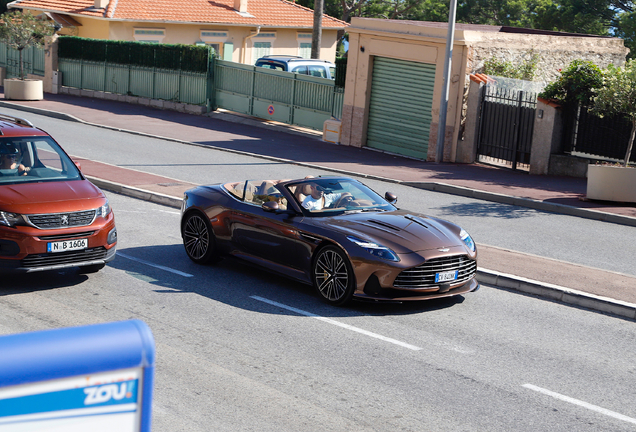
(318, 199)
(9, 157)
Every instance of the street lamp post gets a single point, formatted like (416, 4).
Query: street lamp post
(443, 106)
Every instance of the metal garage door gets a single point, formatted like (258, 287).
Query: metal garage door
(400, 106)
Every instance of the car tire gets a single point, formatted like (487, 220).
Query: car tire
(94, 268)
(332, 276)
(198, 239)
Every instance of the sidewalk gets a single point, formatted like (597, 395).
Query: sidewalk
(582, 286)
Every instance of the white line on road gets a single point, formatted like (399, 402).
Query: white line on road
(168, 269)
(581, 403)
(337, 323)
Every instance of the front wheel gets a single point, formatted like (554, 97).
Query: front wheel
(198, 239)
(333, 276)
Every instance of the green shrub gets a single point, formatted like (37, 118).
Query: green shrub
(176, 57)
(577, 84)
(523, 71)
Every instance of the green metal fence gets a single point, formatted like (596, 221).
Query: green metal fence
(275, 95)
(32, 60)
(153, 83)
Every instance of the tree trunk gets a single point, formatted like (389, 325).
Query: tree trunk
(631, 142)
(316, 36)
(21, 65)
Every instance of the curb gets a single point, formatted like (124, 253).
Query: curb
(431, 186)
(557, 293)
(134, 192)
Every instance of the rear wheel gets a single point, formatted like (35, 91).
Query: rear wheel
(333, 276)
(198, 239)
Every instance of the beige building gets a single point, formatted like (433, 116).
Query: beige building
(395, 77)
(239, 30)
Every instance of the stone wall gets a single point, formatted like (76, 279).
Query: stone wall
(555, 52)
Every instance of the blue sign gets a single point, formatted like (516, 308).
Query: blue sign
(97, 378)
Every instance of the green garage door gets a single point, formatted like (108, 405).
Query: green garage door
(400, 106)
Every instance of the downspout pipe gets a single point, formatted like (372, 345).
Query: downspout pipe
(258, 30)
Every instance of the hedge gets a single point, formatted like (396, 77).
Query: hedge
(178, 57)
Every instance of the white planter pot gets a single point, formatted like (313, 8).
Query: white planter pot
(28, 89)
(611, 183)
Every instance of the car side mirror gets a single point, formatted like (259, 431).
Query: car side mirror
(390, 197)
(270, 206)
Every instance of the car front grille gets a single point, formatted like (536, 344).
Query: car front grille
(423, 276)
(53, 259)
(62, 220)
(66, 236)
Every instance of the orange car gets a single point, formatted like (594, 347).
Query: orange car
(51, 216)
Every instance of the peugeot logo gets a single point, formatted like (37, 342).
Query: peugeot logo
(64, 220)
(443, 249)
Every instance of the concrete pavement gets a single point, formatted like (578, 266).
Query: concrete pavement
(581, 286)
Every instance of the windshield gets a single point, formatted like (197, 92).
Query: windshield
(34, 159)
(321, 196)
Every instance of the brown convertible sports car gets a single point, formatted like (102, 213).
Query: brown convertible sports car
(332, 232)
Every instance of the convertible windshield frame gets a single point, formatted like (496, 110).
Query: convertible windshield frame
(363, 198)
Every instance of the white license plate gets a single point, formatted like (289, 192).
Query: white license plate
(446, 276)
(67, 245)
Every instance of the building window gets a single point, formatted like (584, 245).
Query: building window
(150, 35)
(262, 49)
(217, 39)
(304, 44)
(262, 44)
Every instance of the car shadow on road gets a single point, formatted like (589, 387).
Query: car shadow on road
(241, 285)
(41, 281)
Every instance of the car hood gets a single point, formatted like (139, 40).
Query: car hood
(401, 231)
(50, 197)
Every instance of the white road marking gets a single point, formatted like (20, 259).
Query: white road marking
(339, 324)
(581, 403)
(168, 269)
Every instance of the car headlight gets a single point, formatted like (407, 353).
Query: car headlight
(375, 249)
(10, 219)
(104, 210)
(467, 239)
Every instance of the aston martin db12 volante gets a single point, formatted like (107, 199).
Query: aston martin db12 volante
(332, 232)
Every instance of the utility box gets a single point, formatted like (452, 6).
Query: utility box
(56, 82)
(96, 378)
(331, 131)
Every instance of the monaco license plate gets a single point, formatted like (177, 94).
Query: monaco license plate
(446, 276)
(67, 245)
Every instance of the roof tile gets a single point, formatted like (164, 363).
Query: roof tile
(269, 13)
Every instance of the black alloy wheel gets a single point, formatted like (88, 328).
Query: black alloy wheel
(198, 239)
(333, 276)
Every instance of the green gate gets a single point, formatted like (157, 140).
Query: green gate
(276, 95)
(400, 106)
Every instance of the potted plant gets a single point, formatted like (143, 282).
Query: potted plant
(21, 30)
(617, 95)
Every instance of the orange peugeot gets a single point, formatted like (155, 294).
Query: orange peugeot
(51, 216)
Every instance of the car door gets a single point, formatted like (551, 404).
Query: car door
(267, 236)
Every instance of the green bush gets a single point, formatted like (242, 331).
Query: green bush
(523, 71)
(577, 84)
(177, 57)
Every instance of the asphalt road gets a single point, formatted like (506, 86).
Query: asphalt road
(239, 349)
(581, 241)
